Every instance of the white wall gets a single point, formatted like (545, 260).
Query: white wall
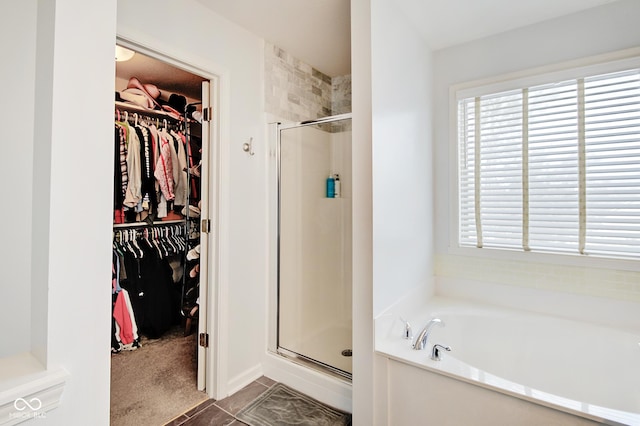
(595, 31)
(193, 34)
(81, 188)
(402, 157)
(402, 145)
(364, 409)
(64, 185)
(18, 37)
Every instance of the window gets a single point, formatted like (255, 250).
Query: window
(552, 166)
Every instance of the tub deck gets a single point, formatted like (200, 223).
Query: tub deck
(583, 369)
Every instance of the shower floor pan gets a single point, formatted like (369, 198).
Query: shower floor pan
(329, 350)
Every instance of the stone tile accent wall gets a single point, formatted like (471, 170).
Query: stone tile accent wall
(296, 91)
(341, 97)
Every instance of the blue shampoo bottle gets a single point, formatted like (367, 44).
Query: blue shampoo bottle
(331, 187)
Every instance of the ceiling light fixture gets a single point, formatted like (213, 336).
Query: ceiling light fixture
(123, 54)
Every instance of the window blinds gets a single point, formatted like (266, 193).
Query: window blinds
(553, 167)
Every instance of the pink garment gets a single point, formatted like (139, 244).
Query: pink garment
(164, 170)
(122, 317)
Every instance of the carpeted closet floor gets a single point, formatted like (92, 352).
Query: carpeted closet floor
(156, 382)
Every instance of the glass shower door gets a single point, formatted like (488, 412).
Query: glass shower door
(314, 268)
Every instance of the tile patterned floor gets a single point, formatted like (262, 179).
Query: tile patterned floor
(222, 413)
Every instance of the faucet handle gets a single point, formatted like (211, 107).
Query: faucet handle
(407, 333)
(435, 352)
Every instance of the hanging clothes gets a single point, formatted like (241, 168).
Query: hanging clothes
(124, 329)
(133, 194)
(153, 288)
(195, 158)
(150, 169)
(149, 200)
(180, 171)
(121, 174)
(164, 166)
(127, 329)
(150, 182)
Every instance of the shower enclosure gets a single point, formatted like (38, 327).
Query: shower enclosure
(314, 244)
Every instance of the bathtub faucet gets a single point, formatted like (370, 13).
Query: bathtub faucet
(435, 352)
(421, 340)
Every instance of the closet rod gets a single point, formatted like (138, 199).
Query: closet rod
(147, 225)
(151, 113)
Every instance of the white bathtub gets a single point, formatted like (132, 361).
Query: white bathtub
(588, 370)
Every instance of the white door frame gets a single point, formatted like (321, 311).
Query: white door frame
(217, 295)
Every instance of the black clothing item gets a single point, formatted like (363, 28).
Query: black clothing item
(150, 286)
(118, 189)
(148, 184)
(195, 156)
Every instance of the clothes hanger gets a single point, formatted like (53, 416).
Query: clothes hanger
(174, 249)
(184, 232)
(126, 245)
(178, 241)
(116, 244)
(158, 242)
(163, 243)
(145, 239)
(178, 235)
(172, 239)
(123, 119)
(167, 240)
(134, 242)
(129, 244)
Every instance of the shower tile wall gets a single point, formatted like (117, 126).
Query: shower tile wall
(296, 91)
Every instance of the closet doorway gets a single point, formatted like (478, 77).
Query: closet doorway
(162, 142)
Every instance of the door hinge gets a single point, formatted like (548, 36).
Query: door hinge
(204, 340)
(205, 226)
(206, 114)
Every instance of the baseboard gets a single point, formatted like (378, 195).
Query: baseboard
(243, 379)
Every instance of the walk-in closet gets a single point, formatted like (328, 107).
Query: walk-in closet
(160, 157)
